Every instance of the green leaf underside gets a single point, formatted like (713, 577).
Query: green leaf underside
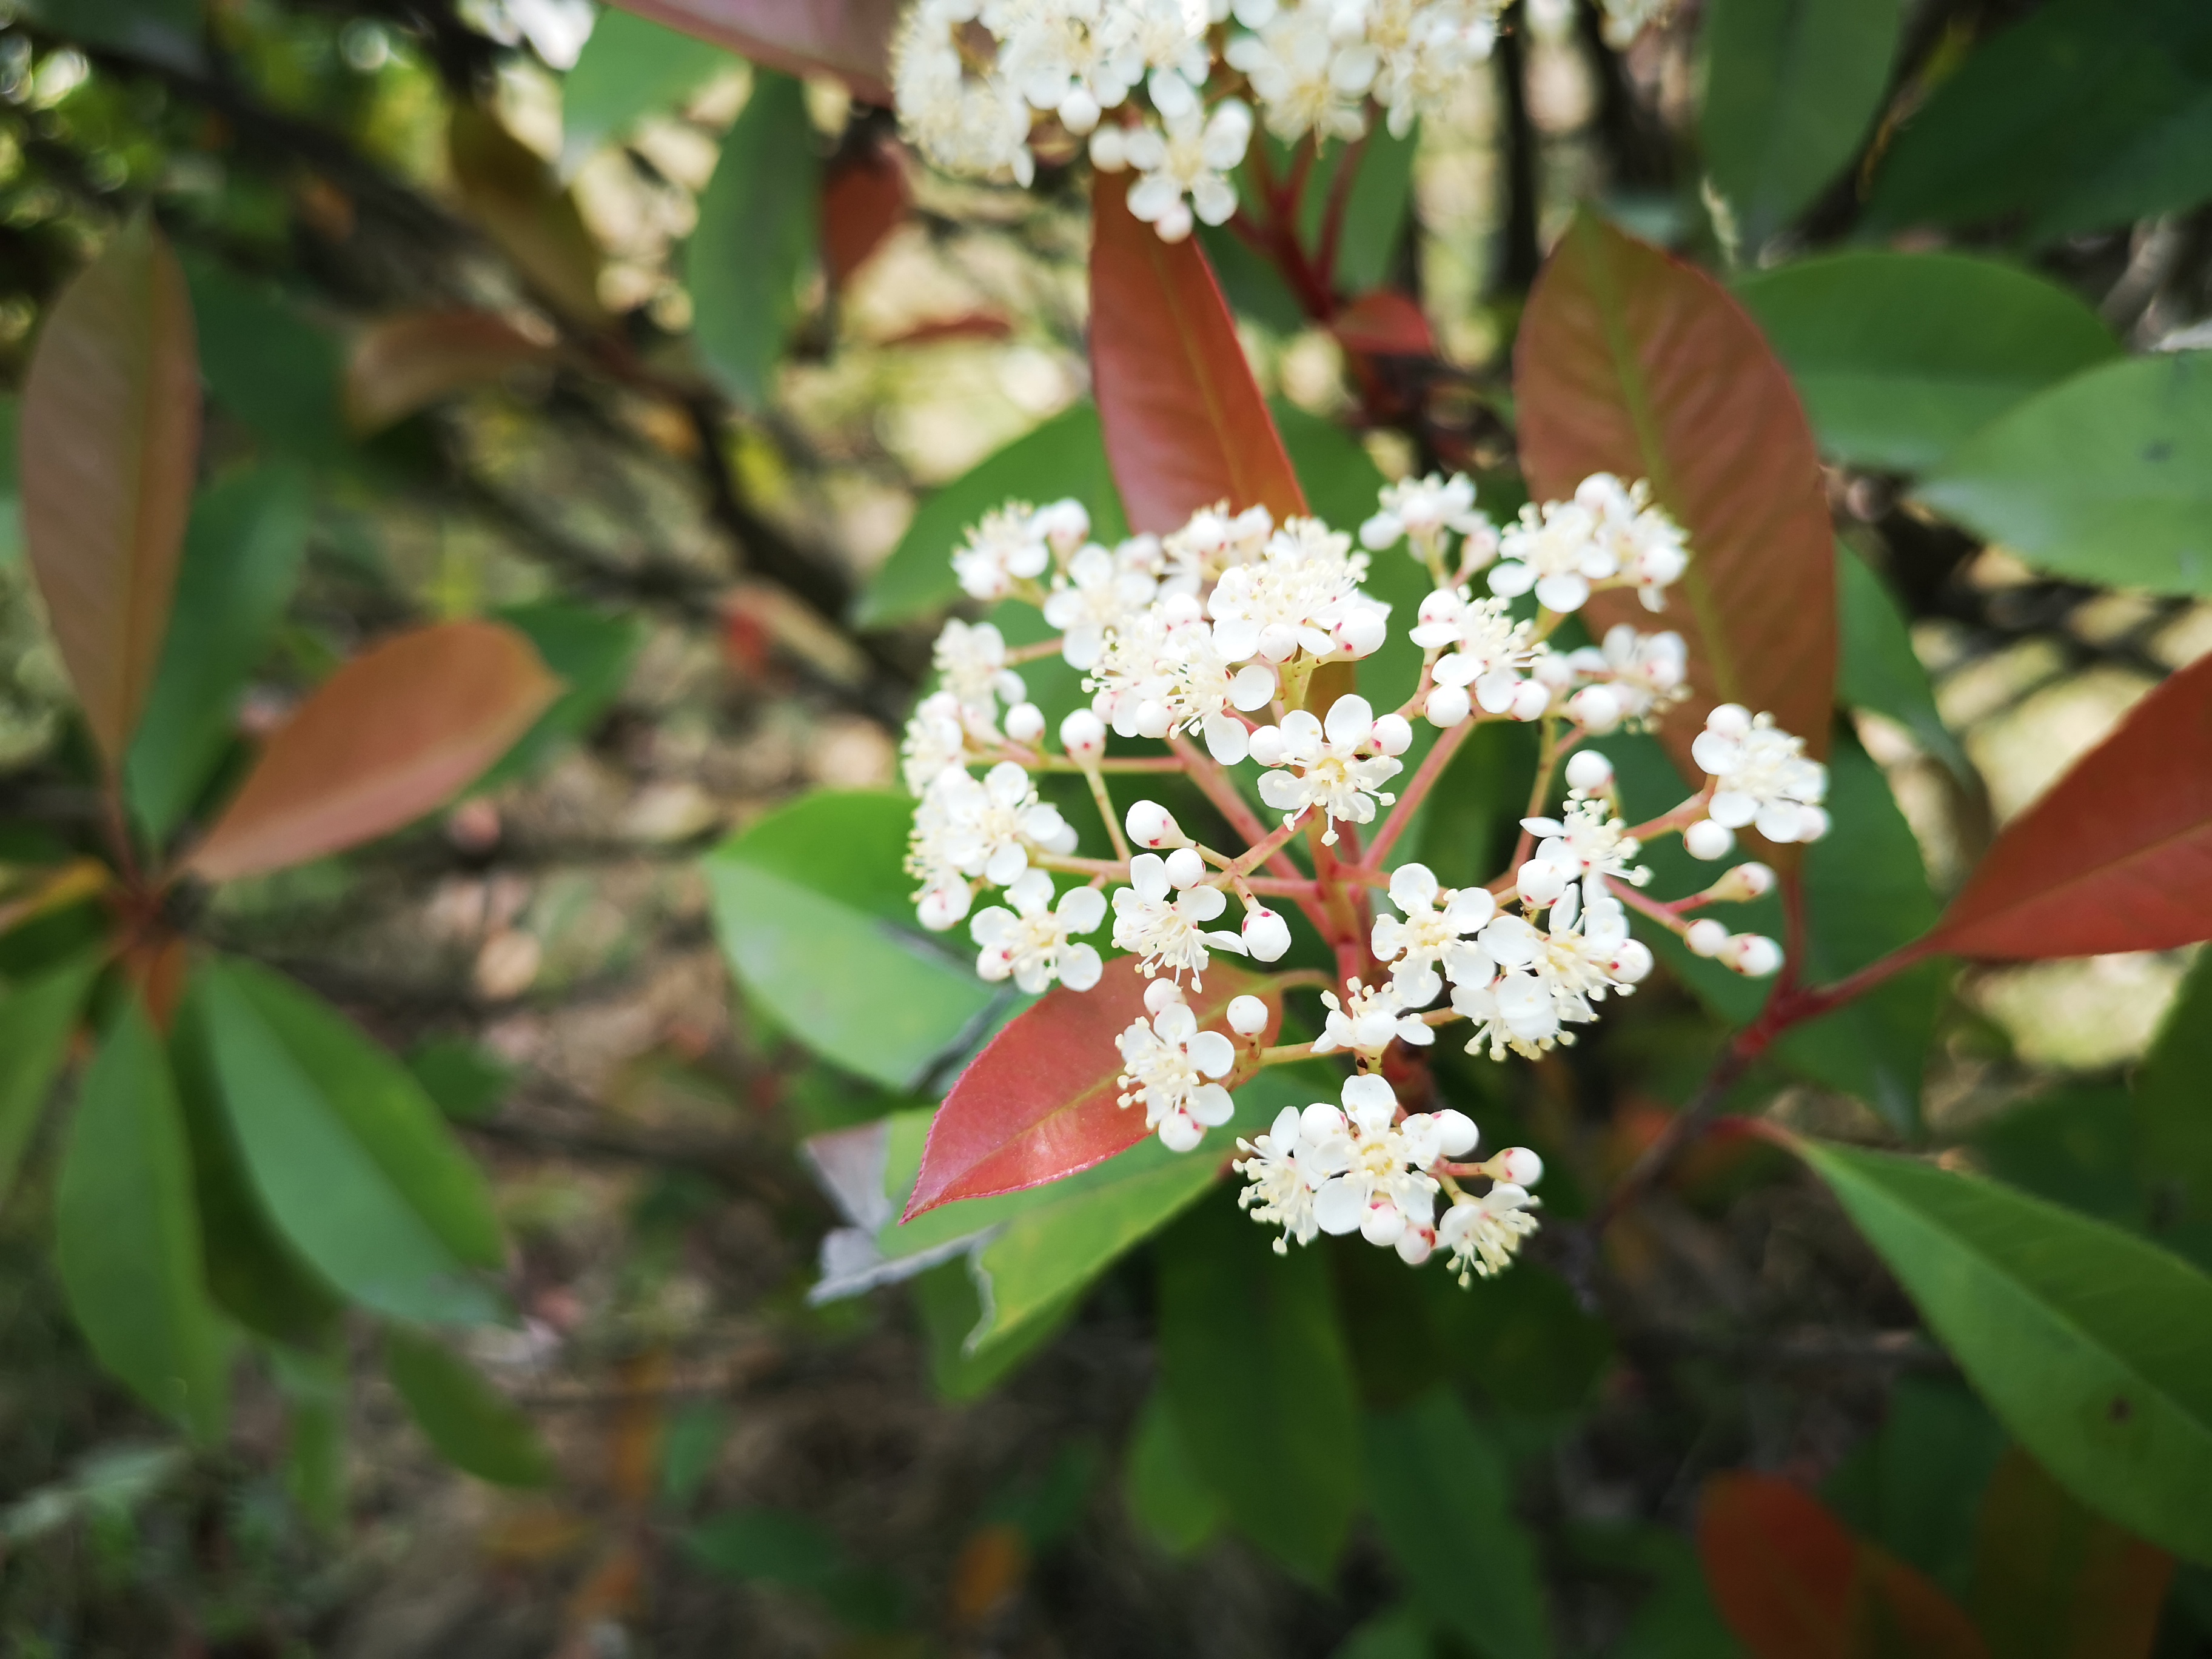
(471, 1424)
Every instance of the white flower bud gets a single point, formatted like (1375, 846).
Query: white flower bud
(1150, 718)
(1589, 771)
(1530, 699)
(941, 907)
(1109, 149)
(1025, 722)
(1706, 840)
(1813, 823)
(1151, 824)
(1079, 112)
(1447, 706)
(1247, 1016)
(1266, 935)
(1083, 734)
(1541, 881)
(1455, 1133)
(1729, 719)
(1159, 994)
(1417, 1243)
(1753, 955)
(1518, 1166)
(1596, 707)
(1185, 868)
(1393, 736)
(1706, 937)
(1361, 633)
(1742, 884)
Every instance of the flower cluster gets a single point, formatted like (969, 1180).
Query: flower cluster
(1213, 640)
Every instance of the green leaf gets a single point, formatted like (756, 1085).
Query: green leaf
(2081, 116)
(466, 1080)
(758, 226)
(952, 1312)
(242, 555)
(11, 483)
(589, 651)
(773, 1546)
(1375, 215)
(2075, 1146)
(1063, 456)
(1915, 1486)
(1442, 1500)
(1792, 88)
(1877, 669)
(474, 1426)
(314, 1389)
(2093, 1347)
(1256, 1371)
(1394, 1633)
(167, 32)
(2172, 1109)
(815, 916)
(1677, 1619)
(693, 1440)
(126, 1237)
(1162, 1486)
(37, 1019)
(1901, 357)
(2106, 478)
(630, 68)
(277, 373)
(353, 1161)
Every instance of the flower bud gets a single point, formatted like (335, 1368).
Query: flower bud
(1729, 719)
(1812, 823)
(1417, 1243)
(1159, 994)
(1079, 112)
(1266, 935)
(1706, 937)
(1541, 881)
(1596, 708)
(1631, 962)
(1753, 955)
(1025, 722)
(1706, 840)
(1151, 824)
(1247, 1016)
(1516, 1166)
(1065, 523)
(1742, 884)
(1185, 868)
(1455, 1133)
(1530, 699)
(1393, 736)
(1109, 149)
(1589, 771)
(941, 907)
(1447, 706)
(1361, 633)
(1083, 734)
(1150, 718)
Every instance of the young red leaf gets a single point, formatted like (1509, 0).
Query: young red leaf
(407, 362)
(863, 199)
(1385, 323)
(848, 38)
(111, 425)
(1632, 363)
(2116, 856)
(390, 736)
(1040, 1101)
(1185, 423)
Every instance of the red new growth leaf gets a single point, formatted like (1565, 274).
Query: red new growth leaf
(848, 38)
(1184, 421)
(863, 199)
(1792, 1584)
(111, 425)
(391, 735)
(1385, 323)
(1632, 363)
(2116, 856)
(1039, 1102)
(407, 362)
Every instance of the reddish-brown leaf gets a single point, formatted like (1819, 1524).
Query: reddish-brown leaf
(514, 196)
(1793, 1583)
(1184, 421)
(406, 364)
(111, 434)
(1632, 363)
(1385, 323)
(2116, 856)
(391, 736)
(1040, 1101)
(863, 199)
(848, 38)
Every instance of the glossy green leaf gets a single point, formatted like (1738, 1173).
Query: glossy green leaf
(1257, 1373)
(473, 1426)
(2173, 1105)
(2075, 1146)
(2082, 115)
(37, 1019)
(277, 373)
(757, 234)
(126, 1236)
(243, 551)
(2106, 478)
(630, 68)
(1901, 357)
(1792, 89)
(816, 918)
(1876, 667)
(353, 1161)
(1161, 1485)
(589, 651)
(1374, 214)
(2093, 1347)
(1064, 456)
(1442, 1502)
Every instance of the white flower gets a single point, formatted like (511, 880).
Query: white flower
(936, 741)
(963, 123)
(1006, 547)
(1588, 842)
(1169, 1063)
(1161, 674)
(1281, 1170)
(1434, 932)
(1765, 778)
(1052, 51)
(1371, 1181)
(1169, 934)
(1646, 674)
(1031, 943)
(1428, 50)
(1647, 546)
(1214, 540)
(1162, 42)
(1488, 651)
(1368, 1021)
(1098, 595)
(1334, 767)
(1555, 549)
(1305, 78)
(1423, 513)
(1550, 977)
(970, 660)
(1484, 1234)
(1302, 594)
(1189, 157)
(990, 828)
(1627, 19)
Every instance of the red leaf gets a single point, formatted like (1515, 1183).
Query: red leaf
(407, 362)
(111, 436)
(1632, 363)
(2116, 856)
(848, 38)
(1039, 1102)
(1385, 323)
(1184, 421)
(1792, 1584)
(389, 737)
(864, 200)
(972, 325)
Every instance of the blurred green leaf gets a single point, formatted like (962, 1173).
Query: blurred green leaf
(11, 484)
(1901, 357)
(1249, 282)
(630, 68)
(108, 1480)
(279, 374)
(473, 1426)
(1256, 1371)
(2052, 1581)
(1676, 1619)
(816, 917)
(1375, 215)
(952, 1312)
(1064, 456)
(2075, 1146)
(1792, 89)
(2174, 1106)
(37, 1019)
(167, 32)
(2106, 478)
(314, 1389)
(126, 1236)
(1877, 669)
(1442, 1500)
(759, 224)
(1915, 1484)
(466, 1079)
(2082, 115)
(1166, 1495)
(1394, 1633)
(353, 1162)
(243, 552)
(590, 653)
(772, 1547)
(689, 1445)
(2093, 1347)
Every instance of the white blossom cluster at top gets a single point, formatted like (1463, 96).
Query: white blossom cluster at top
(1168, 87)
(1209, 638)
